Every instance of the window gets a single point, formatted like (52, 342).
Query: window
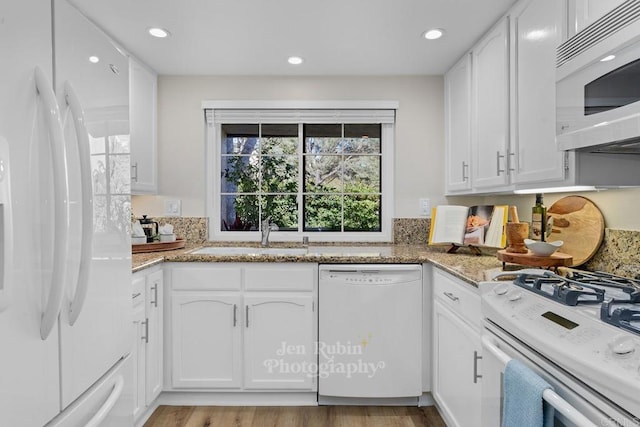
(321, 173)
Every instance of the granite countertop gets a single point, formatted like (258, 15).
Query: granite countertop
(464, 265)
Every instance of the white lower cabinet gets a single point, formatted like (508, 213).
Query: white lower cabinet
(206, 333)
(278, 345)
(456, 350)
(148, 338)
(243, 326)
(139, 351)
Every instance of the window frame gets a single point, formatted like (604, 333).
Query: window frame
(213, 166)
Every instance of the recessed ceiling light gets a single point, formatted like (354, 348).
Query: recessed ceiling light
(159, 32)
(608, 58)
(433, 34)
(94, 59)
(295, 60)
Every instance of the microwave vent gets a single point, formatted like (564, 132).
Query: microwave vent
(623, 15)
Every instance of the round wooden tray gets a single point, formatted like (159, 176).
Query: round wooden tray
(578, 222)
(558, 259)
(157, 246)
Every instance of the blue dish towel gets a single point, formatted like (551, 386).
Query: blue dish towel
(523, 404)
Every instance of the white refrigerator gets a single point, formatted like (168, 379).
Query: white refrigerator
(65, 259)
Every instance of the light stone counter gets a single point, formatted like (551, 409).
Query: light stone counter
(468, 267)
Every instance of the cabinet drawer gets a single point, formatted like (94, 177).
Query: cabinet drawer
(207, 277)
(280, 277)
(457, 296)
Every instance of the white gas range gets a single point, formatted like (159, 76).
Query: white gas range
(581, 333)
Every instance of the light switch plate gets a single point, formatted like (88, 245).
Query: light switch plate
(425, 207)
(172, 207)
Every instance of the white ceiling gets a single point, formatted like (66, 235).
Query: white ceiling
(335, 37)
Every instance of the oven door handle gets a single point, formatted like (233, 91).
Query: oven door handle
(550, 396)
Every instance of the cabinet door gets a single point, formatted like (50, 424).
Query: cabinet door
(154, 367)
(583, 13)
(138, 356)
(457, 87)
(279, 341)
(536, 31)
(490, 118)
(143, 89)
(456, 387)
(206, 340)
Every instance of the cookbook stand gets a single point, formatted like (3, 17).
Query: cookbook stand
(473, 249)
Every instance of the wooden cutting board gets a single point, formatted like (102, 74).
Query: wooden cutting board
(578, 222)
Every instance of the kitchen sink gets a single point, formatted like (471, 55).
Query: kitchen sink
(243, 250)
(312, 251)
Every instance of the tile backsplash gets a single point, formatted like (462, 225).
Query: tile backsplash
(411, 231)
(192, 229)
(618, 254)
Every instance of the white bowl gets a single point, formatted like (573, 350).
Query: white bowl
(542, 248)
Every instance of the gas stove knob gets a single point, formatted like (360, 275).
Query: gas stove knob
(622, 346)
(501, 289)
(514, 295)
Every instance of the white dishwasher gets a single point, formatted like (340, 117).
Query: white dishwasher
(369, 333)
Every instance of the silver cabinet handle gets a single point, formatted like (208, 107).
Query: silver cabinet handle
(511, 160)
(235, 315)
(247, 315)
(134, 176)
(155, 295)
(465, 167)
(451, 296)
(476, 357)
(146, 330)
(498, 157)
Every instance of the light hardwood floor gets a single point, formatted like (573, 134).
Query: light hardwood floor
(294, 416)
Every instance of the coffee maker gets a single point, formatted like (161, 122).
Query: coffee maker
(150, 228)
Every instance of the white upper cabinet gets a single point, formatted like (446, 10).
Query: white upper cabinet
(583, 13)
(143, 104)
(537, 29)
(512, 108)
(490, 116)
(457, 86)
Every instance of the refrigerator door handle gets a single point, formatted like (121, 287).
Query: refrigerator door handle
(104, 410)
(82, 136)
(61, 202)
(6, 225)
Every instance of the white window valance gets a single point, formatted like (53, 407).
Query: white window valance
(299, 116)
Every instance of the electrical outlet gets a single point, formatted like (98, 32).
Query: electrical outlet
(172, 207)
(425, 207)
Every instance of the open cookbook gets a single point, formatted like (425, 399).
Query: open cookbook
(482, 225)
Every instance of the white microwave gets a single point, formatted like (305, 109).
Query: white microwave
(598, 85)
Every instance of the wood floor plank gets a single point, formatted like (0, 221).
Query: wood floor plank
(295, 416)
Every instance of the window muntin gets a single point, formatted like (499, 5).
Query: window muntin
(342, 177)
(350, 120)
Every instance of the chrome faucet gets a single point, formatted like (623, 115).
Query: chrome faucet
(265, 228)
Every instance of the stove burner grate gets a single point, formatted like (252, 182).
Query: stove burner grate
(561, 289)
(621, 314)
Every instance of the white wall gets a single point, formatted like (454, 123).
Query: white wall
(620, 208)
(419, 137)
(419, 140)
